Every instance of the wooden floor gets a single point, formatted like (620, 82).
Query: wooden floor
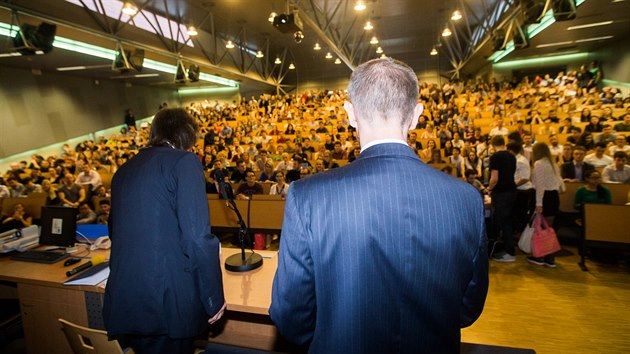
(561, 310)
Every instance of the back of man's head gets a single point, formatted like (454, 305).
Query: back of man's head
(381, 89)
(498, 140)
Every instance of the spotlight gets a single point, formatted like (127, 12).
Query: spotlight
(317, 46)
(291, 66)
(337, 61)
(433, 51)
(272, 15)
(379, 50)
(277, 61)
(129, 9)
(368, 26)
(374, 40)
(446, 32)
(360, 6)
(229, 45)
(191, 31)
(328, 55)
(298, 36)
(259, 54)
(456, 16)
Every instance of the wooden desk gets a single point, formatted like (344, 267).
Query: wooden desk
(259, 214)
(43, 299)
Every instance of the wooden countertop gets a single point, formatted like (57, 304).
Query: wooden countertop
(244, 292)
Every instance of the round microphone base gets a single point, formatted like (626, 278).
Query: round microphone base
(235, 263)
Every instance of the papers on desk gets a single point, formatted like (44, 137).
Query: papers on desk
(96, 275)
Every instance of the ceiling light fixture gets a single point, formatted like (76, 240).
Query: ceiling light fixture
(593, 39)
(553, 44)
(374, 40)
(72, 68)
(259, 54)
(589, 25)
(191, 31)
(272, 15)
(229, 45)
(456, 16)
(434, 51)
(446, 32)
(383, 56)
(317, 46)
(368, 26)
(337, 61)
(277, 61)
(360, 6)
(379, 50)
(129, 9)
(328, 55)
(291, 66)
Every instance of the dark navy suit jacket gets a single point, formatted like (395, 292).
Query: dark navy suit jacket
(384, 255)
(165, 274)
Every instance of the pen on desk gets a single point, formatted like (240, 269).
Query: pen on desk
(71, 261)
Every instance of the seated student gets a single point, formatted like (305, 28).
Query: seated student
(625, 125)
(620, 144)
(471, 178)
(618, 171)
(436, 158)
(599, 158)
(30, 187)
(86, 215)
(607, 136)
(267, 175)
(249, 187)
(576, 170)
(593, 192)
(17, 219)
(280, 187)
(239, 174)
(16, 189)
(103, 216)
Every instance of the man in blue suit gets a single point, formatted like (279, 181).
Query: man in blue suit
(386, 254)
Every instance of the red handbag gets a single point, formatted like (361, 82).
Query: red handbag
(544, 241)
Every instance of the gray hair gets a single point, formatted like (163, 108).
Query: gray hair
(384, 89)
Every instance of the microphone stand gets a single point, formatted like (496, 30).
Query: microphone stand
(245, 261)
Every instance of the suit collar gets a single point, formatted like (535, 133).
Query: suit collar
(387, 149)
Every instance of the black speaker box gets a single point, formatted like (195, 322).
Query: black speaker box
(193, 73)
(286, 23)
(498, 37)
(564, 10)
(532, 10)
(38, 38)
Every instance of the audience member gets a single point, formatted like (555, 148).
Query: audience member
(618, 171)
(599, 158)
(503, 193)
(86, 215)
(576, 170)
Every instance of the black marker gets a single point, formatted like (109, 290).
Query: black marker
(71, 261)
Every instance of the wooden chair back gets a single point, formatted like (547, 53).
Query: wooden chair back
(85, 340)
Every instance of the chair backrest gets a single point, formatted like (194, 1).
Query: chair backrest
(85, 340)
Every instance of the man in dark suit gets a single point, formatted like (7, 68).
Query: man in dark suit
(165, 280)
(577, 169)
(385, 254)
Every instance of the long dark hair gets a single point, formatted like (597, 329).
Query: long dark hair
(173, 127)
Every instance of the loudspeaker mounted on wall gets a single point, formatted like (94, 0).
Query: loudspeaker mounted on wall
(498, 39)
(564, 10)
(127, 60)
(532, 10)
(31, 40)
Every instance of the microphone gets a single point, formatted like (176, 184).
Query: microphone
(92, 262)
(225, 190)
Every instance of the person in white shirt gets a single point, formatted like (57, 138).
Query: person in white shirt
(547, 183)
(89, 176)
(598, 158)
(619, 171)
(499, 129)
(280, 187)
(525, 194)
(620, 145)
(554, 147)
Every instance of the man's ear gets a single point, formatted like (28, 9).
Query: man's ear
(417, 112)
(351, 117)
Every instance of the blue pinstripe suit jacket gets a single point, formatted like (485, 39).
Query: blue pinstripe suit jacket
(384, 255)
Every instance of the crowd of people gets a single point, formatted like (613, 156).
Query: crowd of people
(277, 139)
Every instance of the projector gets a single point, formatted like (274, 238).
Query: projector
(286, 23)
